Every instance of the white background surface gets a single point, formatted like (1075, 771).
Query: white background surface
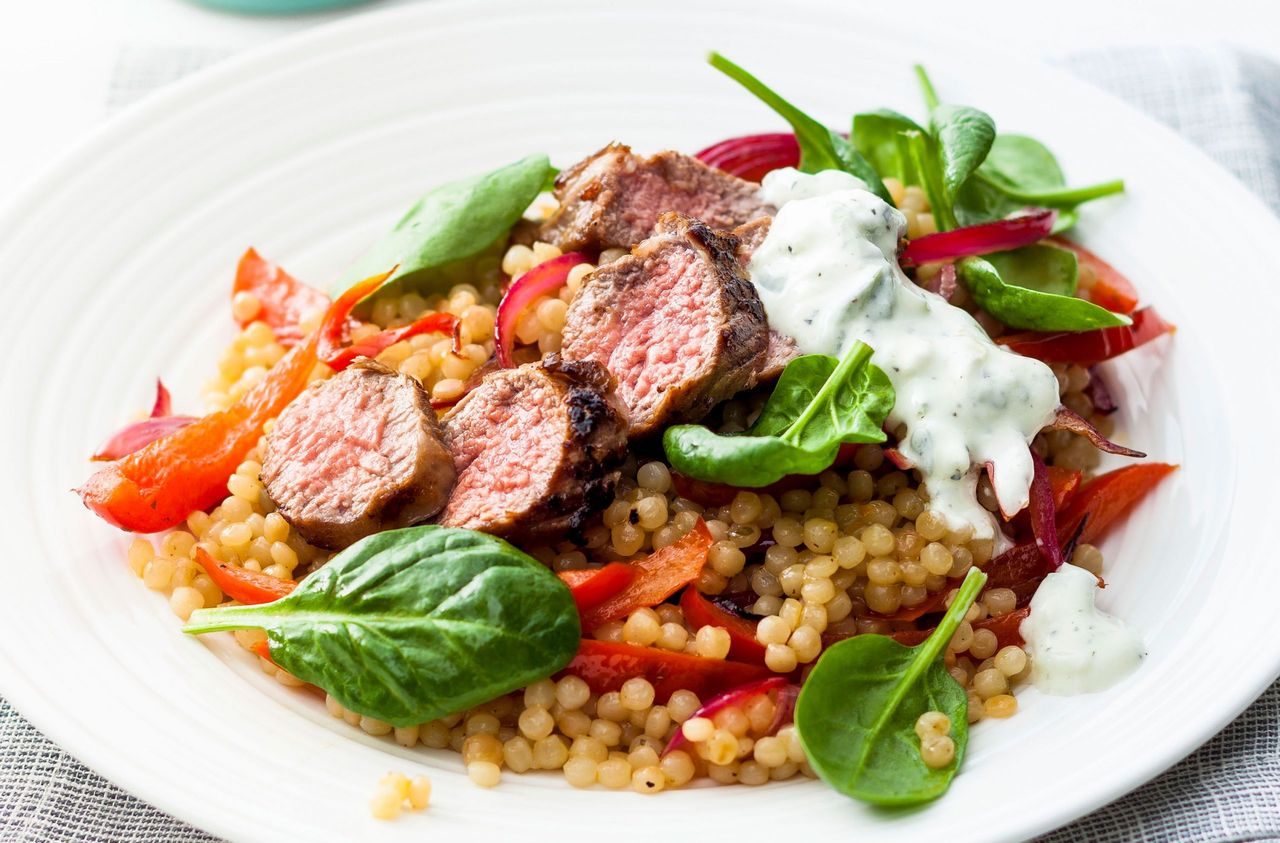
(57, 56)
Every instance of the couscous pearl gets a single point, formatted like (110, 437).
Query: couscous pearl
(698, 729)
(386, 804)
(580, 771)
(1001, 705)
(419, 793)
(937, 750)
(648, 779)
(1011, 660)
(484, 773)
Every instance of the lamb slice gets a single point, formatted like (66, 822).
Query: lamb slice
(781, 349)
(537, 449)
(356, 454)
(613, 198)
(676, 323)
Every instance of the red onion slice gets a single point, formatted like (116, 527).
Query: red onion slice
(1044, 517)
(737, 695)
(751, 157)
(541, 280)
(1072, 422)
(138, 435)
(998, 236)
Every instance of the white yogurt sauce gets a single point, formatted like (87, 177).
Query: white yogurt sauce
(828, 275)
(1076, 648)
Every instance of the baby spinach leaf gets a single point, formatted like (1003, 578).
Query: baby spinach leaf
(451, 223)
(963, 136)
(877, 135)
(1021, 171)
(818, 404)
(1040, 267)
(1019, 307)
(411, 625)
(921, 149)
(820, 148)
(857, 711)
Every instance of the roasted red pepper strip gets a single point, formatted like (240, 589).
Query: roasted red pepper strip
(658, 576)
(262, 649)
(1090, 511)
(605, 665)
(431, 323)
(1089, 347)
(337, 323)
(1107, 497)
(1064, 482)
(592, 587)
(241, 584)
(935, 602)
(1005, 628)
(700, 612)
(285, 300)
(158, 486)
(1110, 289)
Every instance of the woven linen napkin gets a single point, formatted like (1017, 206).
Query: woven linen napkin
(1229, 790)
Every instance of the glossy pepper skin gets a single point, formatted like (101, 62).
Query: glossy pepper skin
(657, 576)
(158, 486)
(700, 612)
(605, 665)
(284, 300)
(1088, 348)
(240, 583)
(593, 587)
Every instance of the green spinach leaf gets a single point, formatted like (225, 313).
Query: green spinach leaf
(963, 136)
(820, 148)
(411, 625)
(857, 711)
(818, 404)
(1040, 267)
(877, 135)
(1019, 307)
(452, 223)
(1021, 171)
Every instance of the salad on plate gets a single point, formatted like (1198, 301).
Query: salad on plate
(781, 459)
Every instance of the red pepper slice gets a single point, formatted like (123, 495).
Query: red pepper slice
(1111, 289)
(1089, 347)
(1005, 628)
(751, 157)
(1106, 498)
(1096, 505)
(592, 587)
(997, 236)
(657, 576)
(935, 602)
(430, 323)
(285, 300)
(1063, 482)
(605, 665)
(240, 583)
(158, 486)
(700, 612)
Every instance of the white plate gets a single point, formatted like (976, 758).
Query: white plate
(117, 263)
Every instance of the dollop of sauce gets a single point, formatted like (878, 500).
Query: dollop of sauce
(828, 275)
(1075, 647)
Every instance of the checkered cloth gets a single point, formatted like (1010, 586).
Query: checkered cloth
(1229, 790)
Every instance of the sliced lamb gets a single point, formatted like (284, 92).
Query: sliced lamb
(537, 449)
(676, 323)
(613, 198)
(782, 348)
(356, 454)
